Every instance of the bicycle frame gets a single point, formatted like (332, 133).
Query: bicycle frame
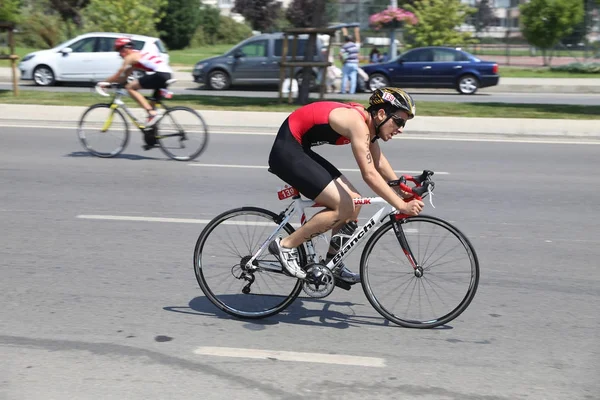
(118, 103)
(299, 205)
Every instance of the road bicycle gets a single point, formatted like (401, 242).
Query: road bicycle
(416, 271)
(180, 132)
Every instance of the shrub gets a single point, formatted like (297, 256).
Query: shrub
(199, 38)
(179, 23)
(43, 30)
(231, 31)
(219, 30)
(579, 68)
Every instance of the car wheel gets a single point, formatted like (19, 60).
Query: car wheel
(218, 80)
(43, 76)
(377, 81)
(468, 84)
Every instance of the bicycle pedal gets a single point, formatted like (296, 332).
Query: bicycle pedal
(343, 284)
(147, 147)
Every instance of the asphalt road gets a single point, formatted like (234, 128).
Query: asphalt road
(110, 308)
(442, 95)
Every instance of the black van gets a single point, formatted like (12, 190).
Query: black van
(255, 61)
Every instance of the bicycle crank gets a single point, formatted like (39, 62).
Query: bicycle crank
(319, 280)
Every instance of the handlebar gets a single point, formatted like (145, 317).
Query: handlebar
(100, 87)
(423, 184)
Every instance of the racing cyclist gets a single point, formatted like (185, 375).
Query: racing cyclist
(327, 122)
(158, 72)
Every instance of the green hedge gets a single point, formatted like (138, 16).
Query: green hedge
(581, 68)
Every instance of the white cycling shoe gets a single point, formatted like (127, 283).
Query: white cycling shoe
(287, 257)
(343, 273)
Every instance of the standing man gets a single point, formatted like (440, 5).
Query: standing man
(349, 56)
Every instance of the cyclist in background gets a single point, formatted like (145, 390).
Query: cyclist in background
(158, 72)
(327, 122)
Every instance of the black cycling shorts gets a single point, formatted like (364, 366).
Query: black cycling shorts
(300, 166)
(156, 81)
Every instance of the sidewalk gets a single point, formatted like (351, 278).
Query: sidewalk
(269, 122)
(506, 85)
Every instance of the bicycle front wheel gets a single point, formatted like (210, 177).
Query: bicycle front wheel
(182, 133)
(222, 251)
(103, 131)
(433, 293)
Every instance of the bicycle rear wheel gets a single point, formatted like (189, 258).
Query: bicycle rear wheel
(103, 131)
(222, 251)
(182, 133)
(438, 290)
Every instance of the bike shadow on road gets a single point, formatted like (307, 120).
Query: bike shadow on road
(132, 157)
(303, 311)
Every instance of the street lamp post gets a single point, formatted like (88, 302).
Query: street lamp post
(393, 50)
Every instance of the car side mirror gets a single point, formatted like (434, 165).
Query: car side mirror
(400, 61)
(66, 51)
(238, 54)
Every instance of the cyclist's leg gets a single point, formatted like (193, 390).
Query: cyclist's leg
(351, 190)
(340, 208)
(344, 182)
(315, 178)
(341, 271)
(132, 89)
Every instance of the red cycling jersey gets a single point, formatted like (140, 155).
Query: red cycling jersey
(310, 124)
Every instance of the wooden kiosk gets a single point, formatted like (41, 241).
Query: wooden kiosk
(7, 50)
(292, 63)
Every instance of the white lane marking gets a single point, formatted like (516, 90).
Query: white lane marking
(144, 219)
(503, 140)
(175, 220)
(415, 136)
(291, 356)
(264, 167)
(227, 166)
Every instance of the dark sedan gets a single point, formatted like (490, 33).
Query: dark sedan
(434, 67)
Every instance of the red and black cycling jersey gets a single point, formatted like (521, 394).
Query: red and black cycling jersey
(310, 124)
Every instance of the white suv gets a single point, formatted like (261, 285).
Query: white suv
(86, 58)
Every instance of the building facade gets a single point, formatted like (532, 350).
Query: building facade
(225, 7)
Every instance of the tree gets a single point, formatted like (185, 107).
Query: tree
(231, 31)
(483, 16)
(126, 16)
(309, 50)
(179, 23)
(44, 27)
(70, 11)
(9, 10)
(438, 22)
(261, 14)
(584, 28)
(545, 22)
(209, 21)
(300, 13)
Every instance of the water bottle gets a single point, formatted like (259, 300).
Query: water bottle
(344, 234)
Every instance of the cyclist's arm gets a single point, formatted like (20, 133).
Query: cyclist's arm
(381, 163)
(385, 168)
(120, 75)
(350, 124)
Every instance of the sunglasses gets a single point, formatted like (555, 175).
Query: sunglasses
(399, 121)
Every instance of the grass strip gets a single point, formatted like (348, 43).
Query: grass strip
(425, 108)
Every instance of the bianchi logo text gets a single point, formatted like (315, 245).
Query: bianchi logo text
(351, 244)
